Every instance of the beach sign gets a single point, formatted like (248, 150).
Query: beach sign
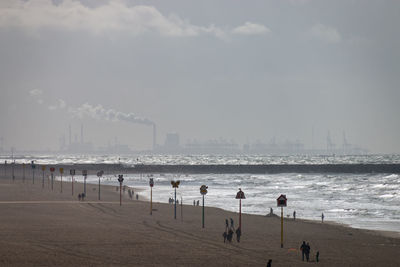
(203, 192)
(175, 184)
(120, 180)
(84, 172)
(281, 201)
(61, 170)
(72, 173)
(203, 189)
(151, 183)
(240, 195)
(99, 174)
(52, 169)
(43, 168)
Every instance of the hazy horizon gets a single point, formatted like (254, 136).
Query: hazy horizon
(242, 71)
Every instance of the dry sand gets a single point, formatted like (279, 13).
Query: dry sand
(40, 227)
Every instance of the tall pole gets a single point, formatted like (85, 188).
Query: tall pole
(5, 168)
(23, 172)
(99, 187)
(72, 182)
(120, 180)
(181, 209)
(120, 193)
(151, 200)
(12, 164)
(13, 176)
(52, 180)
(61, 182)
(33, 176)
(281, 227)
(84, 184)
(43, 179)
(203, 213)
(240, 214)
(175, 205)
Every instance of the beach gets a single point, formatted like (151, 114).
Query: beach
(41, 227)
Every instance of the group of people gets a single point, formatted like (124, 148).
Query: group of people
(171, 201)
(81, 196)
(132, 194)
(305, 251)
(230, 230)
(194, 202)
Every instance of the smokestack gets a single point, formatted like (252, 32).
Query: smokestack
(81, 133)
(70, 135)
(154, 137)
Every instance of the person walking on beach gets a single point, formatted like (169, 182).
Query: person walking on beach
(224, 235)
(317, 256)
(194, 202)
(322, 217)
(308, 250)
(269, 263)
(303, 248)
(226, 225)
(230, 235)
(294, 215)
(232, 223)
(238, 234)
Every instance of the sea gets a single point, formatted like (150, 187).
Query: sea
(367, 201)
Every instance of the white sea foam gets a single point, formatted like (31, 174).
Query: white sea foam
(366, 206)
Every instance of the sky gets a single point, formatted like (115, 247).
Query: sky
(239, 70)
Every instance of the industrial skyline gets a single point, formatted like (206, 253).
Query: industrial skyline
(172, 144)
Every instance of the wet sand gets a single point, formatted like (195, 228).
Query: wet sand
(40, 227)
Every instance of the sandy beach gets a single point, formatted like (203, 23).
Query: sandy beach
(40, 227)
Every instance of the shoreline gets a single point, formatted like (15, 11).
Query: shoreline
(93, 232)
(118, 169)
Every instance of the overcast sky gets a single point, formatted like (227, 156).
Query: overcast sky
(242, 70)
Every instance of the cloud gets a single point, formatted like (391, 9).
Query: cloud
(101, 113)
(59, 105)
(251, 29)
(114, 16)
(325, 33)
(35, 92)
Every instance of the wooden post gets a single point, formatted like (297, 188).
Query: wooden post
(175, 205)
(203, 214)
(151, 200)
(281, 227)
(120, 193)
(240, 214)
